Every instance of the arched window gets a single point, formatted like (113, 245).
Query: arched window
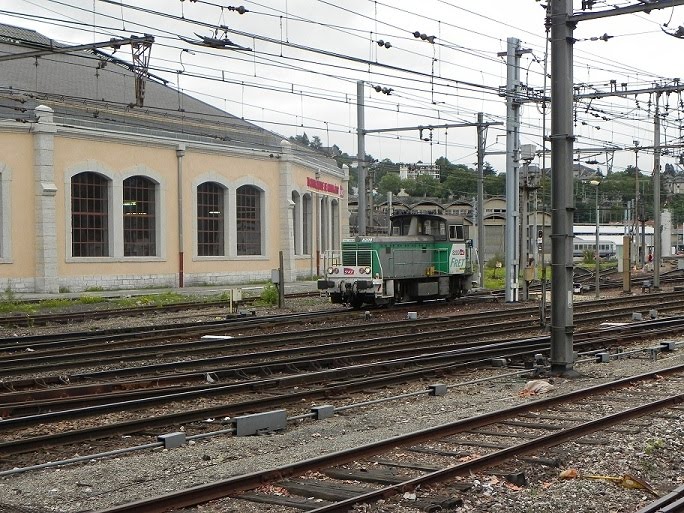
(139, 217)
(210, 220)
(248, 220)
(89, 215)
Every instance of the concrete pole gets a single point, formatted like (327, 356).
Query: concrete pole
(524, 227)
(361, 157)
(180, 153)
(512, 179)
(535, 229)
(561, 188)
(389, 213)
(597, 255)
(657, 243)
(637, 253)
(480, 196)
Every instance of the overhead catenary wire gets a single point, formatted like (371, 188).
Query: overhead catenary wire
(456, 95)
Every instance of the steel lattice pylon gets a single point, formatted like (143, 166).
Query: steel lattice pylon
(141, 59)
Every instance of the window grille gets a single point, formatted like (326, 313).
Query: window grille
(139, 217)
(210, 220)
(89, 215)
(248, 220)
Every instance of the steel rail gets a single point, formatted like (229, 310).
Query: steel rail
(392, 366)
(17, 365)
(673, 502)
(220, 489)
(17, 344)
(11, 403)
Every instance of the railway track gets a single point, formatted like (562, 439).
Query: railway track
(290, 384)
(32, 353)
(395, 465)
(609, 279)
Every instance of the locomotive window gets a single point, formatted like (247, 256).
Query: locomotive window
(456, 232)
(401, 226)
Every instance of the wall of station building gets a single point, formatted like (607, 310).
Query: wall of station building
(302, 209)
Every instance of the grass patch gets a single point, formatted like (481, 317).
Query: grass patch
(654, 445)
(15, 307)
(55, 303)
(90, 300)
(165, 298)
(10, 304)
(269, 296)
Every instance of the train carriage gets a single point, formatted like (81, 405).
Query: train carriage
(422, 258)
(582, 247)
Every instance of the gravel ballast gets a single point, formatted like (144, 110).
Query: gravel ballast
(653, 454)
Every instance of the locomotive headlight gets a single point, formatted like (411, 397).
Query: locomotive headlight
(330, 270)
(367, 270)
(336, 270)
(361, 270)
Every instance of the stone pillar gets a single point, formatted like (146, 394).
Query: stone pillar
(344, 205)
(286, 206)
(46, 278)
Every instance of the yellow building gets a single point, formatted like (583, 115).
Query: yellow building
(101, 187)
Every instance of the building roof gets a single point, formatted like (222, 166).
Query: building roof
(95, 89)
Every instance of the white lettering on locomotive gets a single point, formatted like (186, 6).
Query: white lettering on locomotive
(457, 259)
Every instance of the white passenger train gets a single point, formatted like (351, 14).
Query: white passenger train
(582, 246)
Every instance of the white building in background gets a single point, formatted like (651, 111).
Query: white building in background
(612, 233)
(412, 171)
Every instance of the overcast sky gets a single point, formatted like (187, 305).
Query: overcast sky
(308, 55)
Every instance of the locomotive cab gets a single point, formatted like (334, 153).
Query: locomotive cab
(421, 258)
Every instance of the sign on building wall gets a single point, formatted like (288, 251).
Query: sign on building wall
(324, 187)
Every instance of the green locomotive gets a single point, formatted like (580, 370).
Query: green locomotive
(423, 258)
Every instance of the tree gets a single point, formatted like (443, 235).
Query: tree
(461, 182)
(390, 182)
(444, 166)
(495, 185)
(301, 139)
(676, 206)
(316, 143)
(423, 185)
(343, 159)
(488, 169)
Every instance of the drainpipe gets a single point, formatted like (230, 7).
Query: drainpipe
(180, 153)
